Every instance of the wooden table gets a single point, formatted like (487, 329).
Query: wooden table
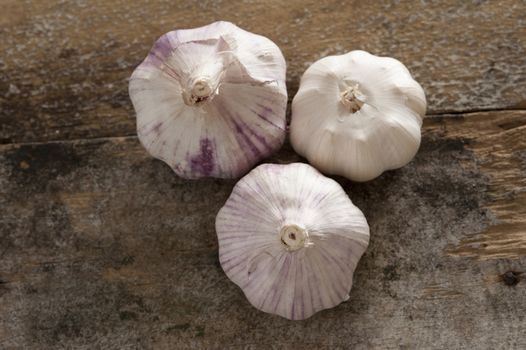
(103, 247)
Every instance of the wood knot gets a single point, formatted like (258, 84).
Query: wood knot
(510, 278)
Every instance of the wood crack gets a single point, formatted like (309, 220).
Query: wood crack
(454, 114)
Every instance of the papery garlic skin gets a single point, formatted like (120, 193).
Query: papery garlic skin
(357, 115)
(291, 239)
(211, 101)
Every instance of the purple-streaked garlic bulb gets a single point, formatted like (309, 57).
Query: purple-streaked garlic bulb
(291, 239)
(211, 101)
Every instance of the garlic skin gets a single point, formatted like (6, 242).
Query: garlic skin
(357, 115)
(211, 101)
(291, 239)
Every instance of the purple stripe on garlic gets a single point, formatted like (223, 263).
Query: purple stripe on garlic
(211, 101)
(203, 163)
(291, 238)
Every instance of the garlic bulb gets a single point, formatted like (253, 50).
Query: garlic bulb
(211, 101)
(357, 115)
(291, 238)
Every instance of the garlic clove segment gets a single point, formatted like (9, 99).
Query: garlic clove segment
(357, 115)
(291, 239)
(211, 101)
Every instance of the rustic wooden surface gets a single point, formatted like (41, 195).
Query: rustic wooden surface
(101, 246)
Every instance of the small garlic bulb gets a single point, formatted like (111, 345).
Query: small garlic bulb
(291, 239)
(357, 115)
(211, 101)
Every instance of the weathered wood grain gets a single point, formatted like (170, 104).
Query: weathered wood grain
(498, 141)
(103, 247)
(65, 64)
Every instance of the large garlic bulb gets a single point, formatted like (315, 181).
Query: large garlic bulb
(211, 101)
(357, 115)
(291, 238)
